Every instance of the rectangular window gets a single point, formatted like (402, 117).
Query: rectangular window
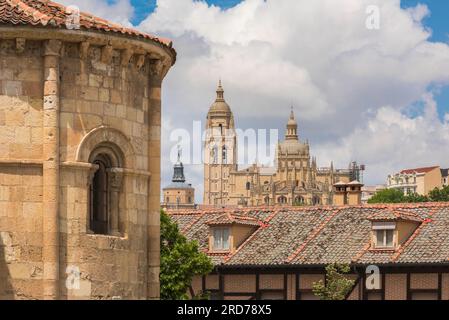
(221, 239)
(384, 238)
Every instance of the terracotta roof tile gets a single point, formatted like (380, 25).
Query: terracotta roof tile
(394, 215)
(229, 218)
(322, 235)
(418, 170)
(46, 13)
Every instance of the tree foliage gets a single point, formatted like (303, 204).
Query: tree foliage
(337, 286)
(181, 260)
(439, 195)
(397, 196)
(387, 196)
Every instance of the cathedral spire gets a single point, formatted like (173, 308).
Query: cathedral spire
(292, 127)
(220, 92)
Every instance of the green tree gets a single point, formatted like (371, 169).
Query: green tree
(414, 197)
(337, 286)
(396, 196)
(439, 195)
(181, 260)
(388, 196)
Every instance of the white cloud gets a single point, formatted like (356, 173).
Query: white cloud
(119, 11)
(352, 88)
(390, 141)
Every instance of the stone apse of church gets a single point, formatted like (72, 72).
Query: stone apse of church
(80, 117)
(294, 180)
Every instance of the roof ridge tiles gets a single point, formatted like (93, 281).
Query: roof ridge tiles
(314, 233)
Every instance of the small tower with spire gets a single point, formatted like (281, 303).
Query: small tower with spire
(178, 194)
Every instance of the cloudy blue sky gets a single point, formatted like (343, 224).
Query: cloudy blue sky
(380, 97)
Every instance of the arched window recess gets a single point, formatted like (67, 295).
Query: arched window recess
(105, 186)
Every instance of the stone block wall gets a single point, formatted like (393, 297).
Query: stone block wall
(21, 96)
(61, 99)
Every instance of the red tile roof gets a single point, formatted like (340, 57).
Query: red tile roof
(394, 215)
(229, 218)
(325, 234)
(49, 14)
(418, 170)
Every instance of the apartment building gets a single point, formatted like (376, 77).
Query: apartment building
(418, 180)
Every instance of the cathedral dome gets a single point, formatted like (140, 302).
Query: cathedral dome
(292, 147)
(220, 105)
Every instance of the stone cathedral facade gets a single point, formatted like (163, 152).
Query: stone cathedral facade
(80, 123)
(294, 180)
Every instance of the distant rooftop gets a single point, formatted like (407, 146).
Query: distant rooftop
(419, 170)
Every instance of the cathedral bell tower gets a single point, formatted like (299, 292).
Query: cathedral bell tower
(220, 151)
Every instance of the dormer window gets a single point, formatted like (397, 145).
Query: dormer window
(229, 231)
(221, 239)
(393, 227)
(384, 238)
(384, 234)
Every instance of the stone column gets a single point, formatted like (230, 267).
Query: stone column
(50, 250)
(154, 166)
(115, 182)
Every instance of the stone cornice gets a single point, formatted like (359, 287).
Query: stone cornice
(21, 162)
(151, 48)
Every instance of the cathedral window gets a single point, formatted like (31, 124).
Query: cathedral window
(282, 200)
(214, 155)
(224, 155)
(248, 186)
(299, 200)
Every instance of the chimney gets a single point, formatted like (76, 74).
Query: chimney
(347, 193)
